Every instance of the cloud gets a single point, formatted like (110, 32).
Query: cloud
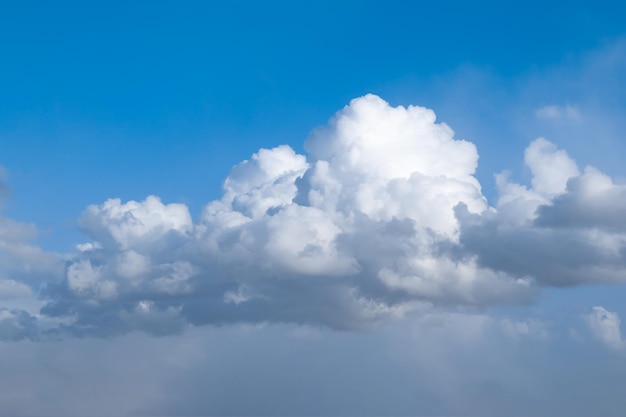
(593, 200)
(24, 270)
(382, 218)
(359, 231)
(10, 289)
(555, 112)
(21, 260)
(440, 363)
(562, 231)
(551, 167)
(605, 326)
(17, 324)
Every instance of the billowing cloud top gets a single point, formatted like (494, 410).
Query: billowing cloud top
(382, 217)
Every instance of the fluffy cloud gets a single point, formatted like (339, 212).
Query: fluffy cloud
(381, 218)
(360, 230)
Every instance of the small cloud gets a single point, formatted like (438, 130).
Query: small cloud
(85, 247)
(556, 112)
(605, 326)
(242, 295)
(532, 328)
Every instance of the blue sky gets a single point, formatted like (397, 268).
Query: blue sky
(312, 232)
(174, 95)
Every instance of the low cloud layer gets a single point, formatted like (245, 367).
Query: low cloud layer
(382, 217)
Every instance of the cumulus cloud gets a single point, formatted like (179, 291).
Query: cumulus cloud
(360, 230)
(382, 217)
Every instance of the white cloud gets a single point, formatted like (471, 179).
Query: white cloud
(382, 218)
(551, 167)
(135, 224)
(391, 162)
(605, 326)
(359, 231)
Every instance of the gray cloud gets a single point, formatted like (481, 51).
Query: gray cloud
(564, 230)
(17, 325)
(592, 201)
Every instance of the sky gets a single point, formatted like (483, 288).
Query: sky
(312, 208)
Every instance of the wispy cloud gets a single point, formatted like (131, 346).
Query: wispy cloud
(555, 112)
